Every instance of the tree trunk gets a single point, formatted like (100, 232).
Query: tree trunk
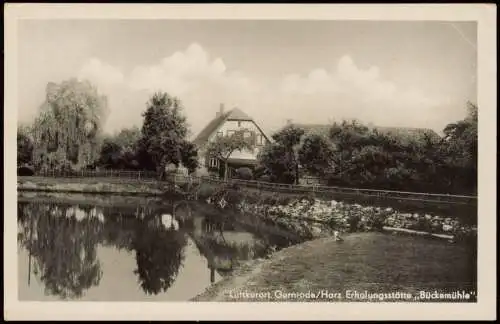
(225, 170)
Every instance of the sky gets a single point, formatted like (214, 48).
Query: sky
(406, 74)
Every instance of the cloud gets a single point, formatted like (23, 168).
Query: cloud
(101, 73)
(323, 94)
(348, 91)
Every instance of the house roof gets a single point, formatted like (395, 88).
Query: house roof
(407, 132)
(237, 114)
(214, 124)
(402, 132)
(320, 129)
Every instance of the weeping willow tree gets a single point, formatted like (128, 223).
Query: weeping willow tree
(67, 131)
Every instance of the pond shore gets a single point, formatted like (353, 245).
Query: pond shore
(327, 270)
(358, 262)
(91, 185)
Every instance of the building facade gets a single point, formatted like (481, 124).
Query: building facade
(226, 123)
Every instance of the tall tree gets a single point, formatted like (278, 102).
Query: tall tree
(315, 155)
(67, 131)
(281, 158)
(163, 132)
(460, 148)
(223, 146)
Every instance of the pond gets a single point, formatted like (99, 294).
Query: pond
(103, 248)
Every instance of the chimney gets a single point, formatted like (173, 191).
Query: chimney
(221, 110)
(289, 121)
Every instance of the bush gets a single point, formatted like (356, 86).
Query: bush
(377, 220)
(206, 190)
(244, 174)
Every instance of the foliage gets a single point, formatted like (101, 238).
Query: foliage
(244, 173)
(364, 157)
(24, 146)
(119, 151)
(315, 155)
(223, 146)
(67, 130)
(189, 156)
(459, 150)
(281, 158)
(163, 133)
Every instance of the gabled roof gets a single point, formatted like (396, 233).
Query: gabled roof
(402, 132)
(209, 129)
(214, 124)
(237, 114)
(408, 132)
(319, 129)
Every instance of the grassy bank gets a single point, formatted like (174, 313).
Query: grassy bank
(90, 185)
(86, 199)
(372, 262)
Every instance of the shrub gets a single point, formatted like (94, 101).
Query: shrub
(244, 174)
(233, 197)
(377, 220)
(206, 190)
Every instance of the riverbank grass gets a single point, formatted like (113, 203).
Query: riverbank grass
(372, 262)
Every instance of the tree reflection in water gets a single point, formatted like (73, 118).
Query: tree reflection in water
(62, 240)
(62, 243)
(159, 253)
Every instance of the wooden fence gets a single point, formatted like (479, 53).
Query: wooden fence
(330, 190)
(268, 186)
(99, 174)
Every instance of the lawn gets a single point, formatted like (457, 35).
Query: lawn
(372, 262)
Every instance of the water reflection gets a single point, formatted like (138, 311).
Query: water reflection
(159, 253)
(62, 248)
(161, 245)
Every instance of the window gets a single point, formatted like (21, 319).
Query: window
(230, 132)
(260, 139)
(220, 134)
(213, 163)
(239, 123)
